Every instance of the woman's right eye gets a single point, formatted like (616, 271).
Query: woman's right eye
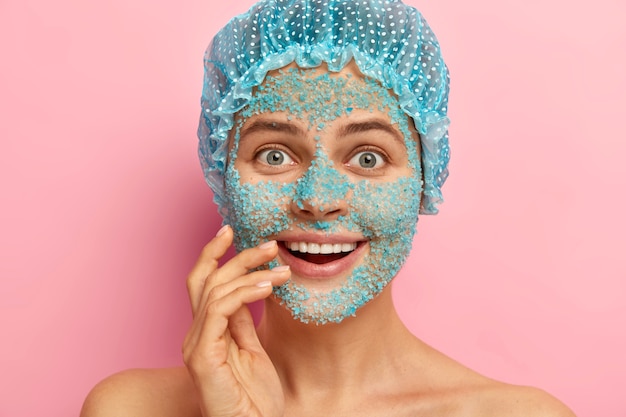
(274, 157)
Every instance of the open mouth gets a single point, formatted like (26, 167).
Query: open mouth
(320, 253)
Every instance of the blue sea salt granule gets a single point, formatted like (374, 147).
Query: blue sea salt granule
(383, 212)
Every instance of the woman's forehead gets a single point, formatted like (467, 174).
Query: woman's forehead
(358, 122)
(317, 94)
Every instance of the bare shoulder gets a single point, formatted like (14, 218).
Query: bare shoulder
(453, 389)
(504, 400)
(143, 392)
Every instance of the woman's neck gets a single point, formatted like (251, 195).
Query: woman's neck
(334, 358)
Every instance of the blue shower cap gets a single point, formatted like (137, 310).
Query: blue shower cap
(388, 40)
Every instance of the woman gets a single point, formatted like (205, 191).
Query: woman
(323, 134)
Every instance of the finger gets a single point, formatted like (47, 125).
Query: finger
(219, 312)
(276, 276)
(246, 260)
(273, 277)
(206, 264)
(243, 331)
(239, 265)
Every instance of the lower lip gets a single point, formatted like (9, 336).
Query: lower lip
(327, 270)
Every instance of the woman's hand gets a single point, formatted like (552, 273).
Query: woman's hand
(231, 371)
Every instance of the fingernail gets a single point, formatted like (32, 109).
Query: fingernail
(281, 268)
(222, 231)
(264, 284)
(267, 245)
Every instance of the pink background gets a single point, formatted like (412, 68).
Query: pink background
(104, 207)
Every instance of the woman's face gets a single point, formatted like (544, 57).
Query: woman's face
(328, 165)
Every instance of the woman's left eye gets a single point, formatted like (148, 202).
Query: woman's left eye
(367, 160)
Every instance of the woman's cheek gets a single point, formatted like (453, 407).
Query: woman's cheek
(257, 211)
(387, 210)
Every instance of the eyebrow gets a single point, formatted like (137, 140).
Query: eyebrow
(273, 126)
(361, 127)
(294, 130)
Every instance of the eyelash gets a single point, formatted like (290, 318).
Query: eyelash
(371, 149)
(367, 148)
(267, 148)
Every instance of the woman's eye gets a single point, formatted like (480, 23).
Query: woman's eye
(274, 157)
(367, 160)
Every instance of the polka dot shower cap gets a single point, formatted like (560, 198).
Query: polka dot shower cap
(388, 40)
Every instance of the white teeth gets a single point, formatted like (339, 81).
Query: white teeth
(324, 248)
(348, 247)
(313, 248)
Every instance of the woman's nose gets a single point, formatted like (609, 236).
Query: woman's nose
(315, 209)
(321, 194)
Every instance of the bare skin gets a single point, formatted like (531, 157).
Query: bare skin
(339, 370)
(368, 365)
